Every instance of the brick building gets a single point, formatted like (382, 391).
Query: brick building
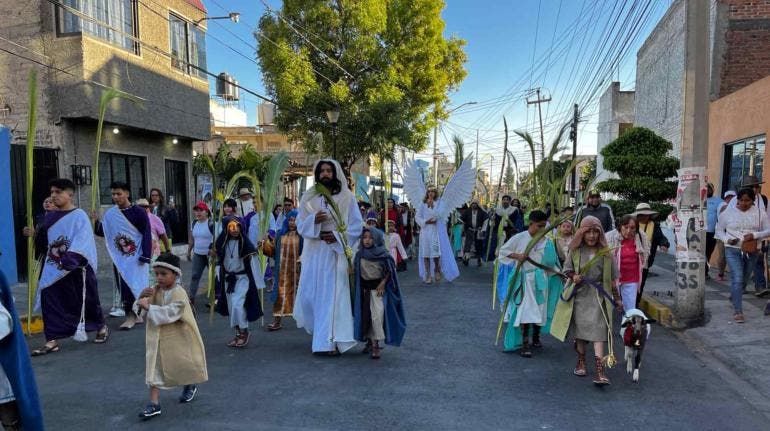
(150, 49)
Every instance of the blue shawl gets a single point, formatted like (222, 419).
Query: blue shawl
(395, 321)
(14, 357)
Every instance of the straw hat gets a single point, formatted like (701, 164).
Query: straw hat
(143, 202)
(244, 191)
(643, 209)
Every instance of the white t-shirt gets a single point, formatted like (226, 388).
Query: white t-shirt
(202, 237)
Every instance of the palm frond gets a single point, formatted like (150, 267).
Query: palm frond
(108, 96)
(272, 180)
(31, 131)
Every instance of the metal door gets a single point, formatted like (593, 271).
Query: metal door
(176, 189)
(46, 167)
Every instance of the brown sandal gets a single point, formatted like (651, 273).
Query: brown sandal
(600, 379)
(580, 368)
(102, 336)
(234, 341)
(242, 340)
(274, 326)
(46, 349)
(375, 354)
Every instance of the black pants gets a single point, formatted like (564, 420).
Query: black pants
(711, 244)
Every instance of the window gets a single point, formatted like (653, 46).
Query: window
(745, 157)
(121, 167)
(113, 21)
(188, 46)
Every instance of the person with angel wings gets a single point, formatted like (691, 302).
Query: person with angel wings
(436, 259)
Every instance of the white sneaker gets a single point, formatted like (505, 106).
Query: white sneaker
(117, 312)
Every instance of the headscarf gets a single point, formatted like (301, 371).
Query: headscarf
(343, 197)
(586, 224)
(285, 226)
(377, 251)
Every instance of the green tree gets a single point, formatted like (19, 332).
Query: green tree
(509, 180)
(385, 64)
(640, 159)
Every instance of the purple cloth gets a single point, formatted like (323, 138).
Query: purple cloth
(61, 303)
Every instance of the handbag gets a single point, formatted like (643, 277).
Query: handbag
(749, 246)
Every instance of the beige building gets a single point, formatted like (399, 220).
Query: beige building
(151, 50)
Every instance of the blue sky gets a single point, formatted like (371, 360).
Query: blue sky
(503, 38)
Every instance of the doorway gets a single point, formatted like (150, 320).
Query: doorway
(176, 191)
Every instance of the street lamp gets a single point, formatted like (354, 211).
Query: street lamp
(232, 16)
(435, 142)
(334, 115)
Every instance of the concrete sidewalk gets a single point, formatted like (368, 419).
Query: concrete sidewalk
(742, 349)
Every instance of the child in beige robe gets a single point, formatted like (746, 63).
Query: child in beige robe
(175, 354)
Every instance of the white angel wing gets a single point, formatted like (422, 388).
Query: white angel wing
(459, 188)
(414, 186)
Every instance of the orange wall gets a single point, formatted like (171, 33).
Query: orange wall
(742, 114)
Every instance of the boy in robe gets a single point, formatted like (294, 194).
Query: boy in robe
(69, 271)
(175, 354)
(536, 287)
(378, 310)
(239, 270)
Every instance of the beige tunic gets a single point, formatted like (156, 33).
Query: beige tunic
(588, 321)
(175, 354)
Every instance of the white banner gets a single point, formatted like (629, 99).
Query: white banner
(124, 243)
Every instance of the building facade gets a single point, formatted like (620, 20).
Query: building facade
(616, 114)
(153, 51)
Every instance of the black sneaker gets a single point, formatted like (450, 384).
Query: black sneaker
(767, 309)
(188, 394)
(150, 411)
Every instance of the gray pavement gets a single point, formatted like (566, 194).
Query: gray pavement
(447, 375)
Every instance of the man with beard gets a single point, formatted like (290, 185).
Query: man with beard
(595, 207)
(323, 304)
(506, 214)
(473, 220)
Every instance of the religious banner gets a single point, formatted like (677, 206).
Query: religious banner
(689, 219)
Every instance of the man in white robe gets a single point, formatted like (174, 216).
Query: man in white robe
(323, 304)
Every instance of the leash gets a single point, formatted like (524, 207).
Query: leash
(591, 283)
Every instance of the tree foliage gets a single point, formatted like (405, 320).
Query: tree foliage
(385, 64)
(587, 173)
(640, 159)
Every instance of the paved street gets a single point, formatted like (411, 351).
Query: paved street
(447, 375)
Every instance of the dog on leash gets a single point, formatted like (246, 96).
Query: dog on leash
(635, 330)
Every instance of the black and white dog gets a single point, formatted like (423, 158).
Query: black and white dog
(635, 330)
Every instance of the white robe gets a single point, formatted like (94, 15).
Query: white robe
(323, 304)
(529, 311)
(434, 242)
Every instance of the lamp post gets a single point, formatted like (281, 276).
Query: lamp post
(334, 115)
(232, 16)
(435, 143)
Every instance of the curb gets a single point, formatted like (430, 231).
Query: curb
(36, 324)
(657, 310)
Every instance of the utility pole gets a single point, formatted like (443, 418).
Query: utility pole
(435, 156)
(477, 163)
(538, 102)
(573, 138)
(690, 274)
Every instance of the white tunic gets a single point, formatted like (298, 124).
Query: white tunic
(529, 311)
(323, 304)
(6, 326)
(429, 240)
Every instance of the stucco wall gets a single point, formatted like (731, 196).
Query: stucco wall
(740, 115)
(615, 107)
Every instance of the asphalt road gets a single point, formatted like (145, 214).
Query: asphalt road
(448, 374)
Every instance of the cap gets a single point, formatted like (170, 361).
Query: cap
(143, 202)
(201, 206)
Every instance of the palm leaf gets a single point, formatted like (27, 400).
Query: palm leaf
(31, 131)
(108, 96)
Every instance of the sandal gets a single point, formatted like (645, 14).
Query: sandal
(375, 351)
(46, 349)
(738, 317)
(600, 379)
(525, 351)
(274, 326)
(234, 341)
(580, 368)
(242, 340)
(102, 336)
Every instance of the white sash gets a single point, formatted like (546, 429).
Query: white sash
(124, 243)
(71, 233)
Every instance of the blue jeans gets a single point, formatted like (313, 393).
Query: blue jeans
(741, 266)
(199, 263)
